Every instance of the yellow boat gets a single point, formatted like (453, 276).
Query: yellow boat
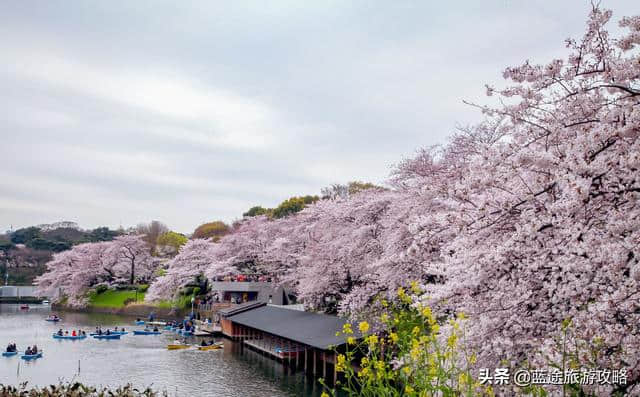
(177, 347)
(215, 346)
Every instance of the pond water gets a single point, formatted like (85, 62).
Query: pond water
(140, 360)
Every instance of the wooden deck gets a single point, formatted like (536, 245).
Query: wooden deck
(207, 328)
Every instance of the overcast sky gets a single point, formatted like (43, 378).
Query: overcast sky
(120, 112)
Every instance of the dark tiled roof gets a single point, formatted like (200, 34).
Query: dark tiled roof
(313, 329)
(242, 307)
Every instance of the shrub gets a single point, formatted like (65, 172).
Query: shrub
(101, 288)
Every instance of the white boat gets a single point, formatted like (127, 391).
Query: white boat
(45, 302)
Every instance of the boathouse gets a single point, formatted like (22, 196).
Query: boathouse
(298, 339)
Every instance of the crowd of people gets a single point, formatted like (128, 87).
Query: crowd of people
(246, 278)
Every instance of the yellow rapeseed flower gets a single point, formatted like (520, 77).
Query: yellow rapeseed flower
(406, 370)
(384, 317)
(408, 389)
(351, 340)
(394, 337)
(346, 328)
(415, 288)
(364, 327)
(451, 341)
(372, 340)
(341, 363)
(324, 394)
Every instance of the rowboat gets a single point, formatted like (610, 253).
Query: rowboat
(215, 346)
(9, 354)
(110, 333)
(53, 320)
(31, 356)
(177, 346)
(140, 322)
(112, 336)
(147, 332)
(156, 322)
(24, 307)
(69, 337)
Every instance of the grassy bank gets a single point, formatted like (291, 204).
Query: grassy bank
(115, 299)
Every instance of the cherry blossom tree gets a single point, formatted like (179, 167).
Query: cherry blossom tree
(71, 273)
(193, 259)
(546, 215)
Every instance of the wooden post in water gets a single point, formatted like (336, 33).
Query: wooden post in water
(324, 364)
(314, 361)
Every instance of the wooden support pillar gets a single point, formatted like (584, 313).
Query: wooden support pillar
(305, 360)
(314, 361)
(324, 364)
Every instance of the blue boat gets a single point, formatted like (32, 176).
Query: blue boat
(112, 336)
(140, 322)
(31, 356)
(147, 332)
(168, 327)
(69, 337)
(9, 354)
(111, 333)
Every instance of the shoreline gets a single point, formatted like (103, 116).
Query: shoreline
(140, 311)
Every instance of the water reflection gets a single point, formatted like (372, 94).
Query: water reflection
(141, 360)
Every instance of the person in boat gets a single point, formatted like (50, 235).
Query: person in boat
(66, 333)
(73, 333)
(34, 349)
(108, 332)
(83, 333)
(28, 352)
(10, 348)
(155, 329)
(60, 332)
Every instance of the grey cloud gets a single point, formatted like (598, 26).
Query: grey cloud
(121, 111)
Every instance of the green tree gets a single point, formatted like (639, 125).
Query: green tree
(214, 230)
(23, 236)
(293, 205)
(357, 186)
(257, 210)
(172, 239)
(102, 234)
(48, 245)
